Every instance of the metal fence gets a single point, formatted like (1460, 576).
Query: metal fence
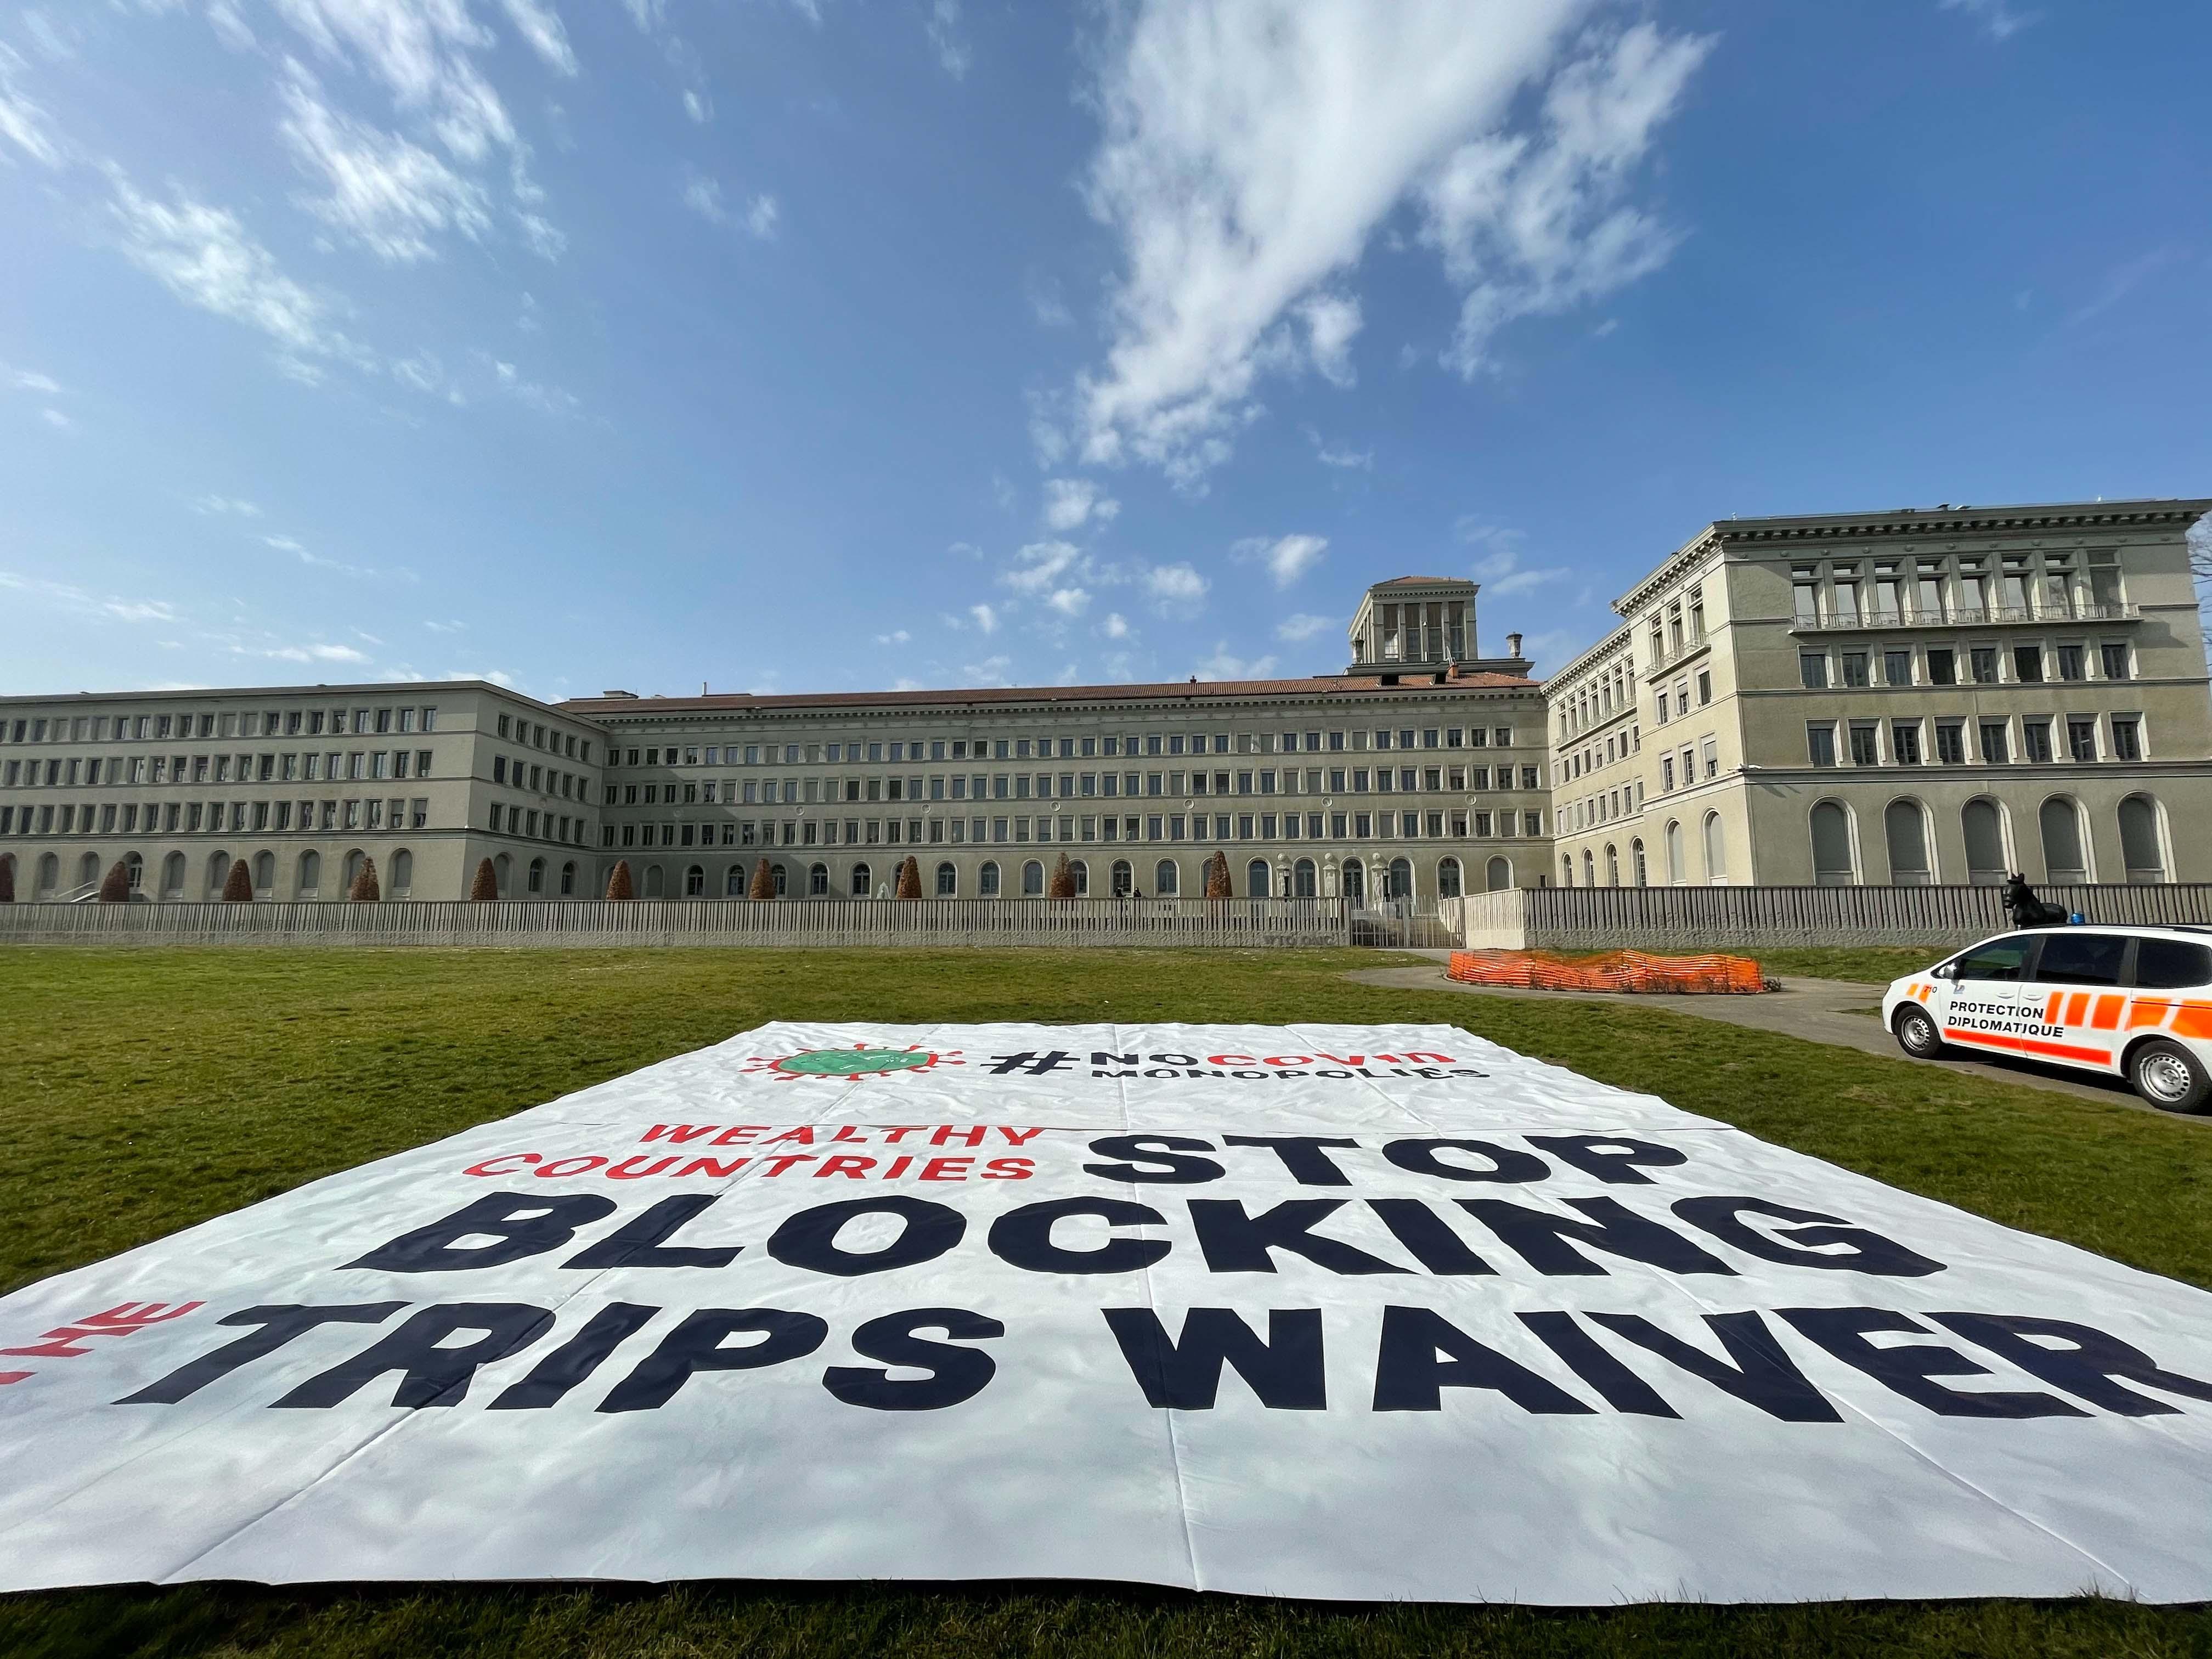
(1709, 918)
(779, 924)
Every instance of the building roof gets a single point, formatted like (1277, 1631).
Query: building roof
(994, 696)
(1425, 581)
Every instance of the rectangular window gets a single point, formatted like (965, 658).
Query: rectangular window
(1855, 668)
(1904, 742)
(1866, 743)
(1819, 747)
(1983, 661)
(2127, 738)
(2114, 656)
(1942, 667)
(1897, 667)
(2069, 662)
(1812, 670)
(2082, 740)
(2028, 664)
(1994, 753)
(1950, 743)
(2035, 741)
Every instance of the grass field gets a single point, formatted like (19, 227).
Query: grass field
(149, 1091)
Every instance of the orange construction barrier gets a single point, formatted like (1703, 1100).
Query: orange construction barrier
(1611, 970)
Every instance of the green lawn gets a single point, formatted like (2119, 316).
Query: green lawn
(147, 1090)
(1877, 965)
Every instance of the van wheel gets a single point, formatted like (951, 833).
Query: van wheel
(2170, 1077)
(1917, 1035)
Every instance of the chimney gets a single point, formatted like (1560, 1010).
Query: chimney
(1513, 645)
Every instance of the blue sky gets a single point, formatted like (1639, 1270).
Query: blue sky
(798, 345)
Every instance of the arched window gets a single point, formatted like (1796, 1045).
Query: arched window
(733, 882)
(778, 878)
(1590, 868)
(1983, 821)
(654, 881)
(2142, 839)
(1566, 869)
(311, 874)
(50, 875)
(1715, 852)
(694, 880)
(1256, 879)
(218, 873)
(357, 858)
(1033, 879)
(1121, 878)
(134, 871)
(568, 875)
(817, 881)
(88, 870)
(987, 881)
(1612, 865)
(403, 875)
(1401, 878)
(1167, 879)
(1904, 830)
(859, 888)
(1497, 875)
(1448, 879)
(2060, 821)
(1638, 872)
(1082, 874)
(1305, 879)
(173, 875)
(1677, 871)
(1355, 880)
(533, 881)
(1833, 863)
(948, 880)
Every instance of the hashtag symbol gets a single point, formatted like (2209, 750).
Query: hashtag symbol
(1031, 1064)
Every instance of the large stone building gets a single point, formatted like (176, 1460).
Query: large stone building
(1912, 696)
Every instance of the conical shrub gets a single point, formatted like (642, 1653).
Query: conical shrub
(115, 887)
(1062, 884)
(909, 879)
(763, 885)
(237, 886)
(619, 890)
(365, 890)
(486, 885)
(1216, 876)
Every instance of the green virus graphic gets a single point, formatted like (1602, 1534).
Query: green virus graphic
(854, 1064)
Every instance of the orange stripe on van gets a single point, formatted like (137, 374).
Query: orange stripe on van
(2039, 1049)
(2195, 1020)
(2077, 1008)
(2050, 1007)
(2108, 1013)
(2147, 1011)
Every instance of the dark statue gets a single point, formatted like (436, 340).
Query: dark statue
(2023, 910)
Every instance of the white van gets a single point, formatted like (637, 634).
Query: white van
(2134, 1002)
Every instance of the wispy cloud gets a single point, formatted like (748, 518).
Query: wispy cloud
(391, 196)
(306, 555)
(1342, 456)
(763, 217)
(22, 123)
(26, 380)
(1502, 569)
(56, 419)
(1224, 664)
(1176, 589)
(2121, 280)
(1286, 557)
(225, 505)
(1069, 503)
(896, 637)
(1297, 630)
(984, 616)
(1997, 18)
(943, 26)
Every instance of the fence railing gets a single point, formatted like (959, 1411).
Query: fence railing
(782, 923)
(1709, 918)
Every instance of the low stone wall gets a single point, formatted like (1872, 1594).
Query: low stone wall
(1753, 917)
(780, 924)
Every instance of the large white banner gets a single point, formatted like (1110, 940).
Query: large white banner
(1373, 1312)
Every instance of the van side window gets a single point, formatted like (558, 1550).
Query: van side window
(2170, 964)
(1999, 959)
(2082, 958)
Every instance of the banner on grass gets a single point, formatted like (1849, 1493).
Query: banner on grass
(1371, 1312)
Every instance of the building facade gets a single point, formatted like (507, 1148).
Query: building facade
(1899, 698)
(1910, 697)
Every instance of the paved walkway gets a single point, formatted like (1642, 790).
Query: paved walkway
(1818, 1010)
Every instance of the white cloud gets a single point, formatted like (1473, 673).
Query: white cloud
(762, 216)
(1069, 601)
(1070, 502)
(944, 29)
(541, 236)
(229, 506)
(1287, 557)
(204, 257)
(536, 23)
(22, 123)
(703, 196)
(896, 637)
(1115, 627)
(1343, 456)
(1533, 224)
(532, 394)
(992, 670)
(24, 380)
(141, 610)
(299, 551)
(447, 626)
(698, 108)
(1045, 305)
(421, 50)
(56, 419)
(424, 372)
(1252, 147)
(1222, 665)
(229, 27)
(1997, 16)
(985, 617)
(496, 675)
(303, 653)
(1502, 570)
(1176, 587)
(1302, 627)
(1040, 565)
